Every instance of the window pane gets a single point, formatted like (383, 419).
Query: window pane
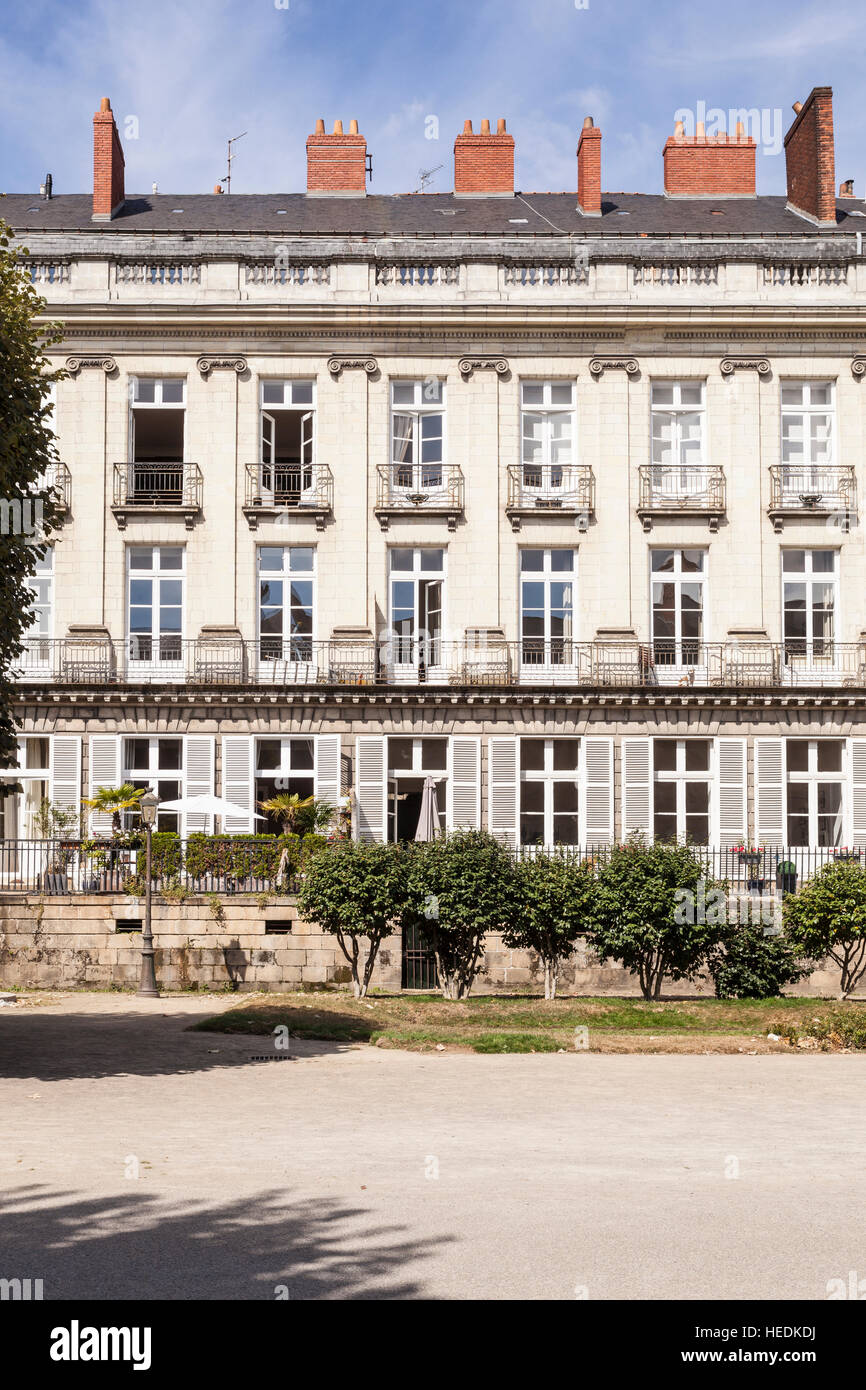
(432, 560)
(692, 561)
(532, 796)
(666, 798)
(823, 561)
(565, 754)
(169, 754)
(301, 754)
(402, 559)
(797, 755)
(697, 755)
(662, 560)
(664, 754)
(301, 559)
(400, 754)
(270, 558)
(794, 561)
(697, 797)
(532, 754)
(434, 754)
(561, 393)
(272, 392)
(561, 560)
(533, 392)
(531, 560)
(829, 755)
(662, 393)
(172, 392)
(141, 558)
(565, 796)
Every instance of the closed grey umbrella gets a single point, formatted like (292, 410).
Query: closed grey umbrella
(428, 821)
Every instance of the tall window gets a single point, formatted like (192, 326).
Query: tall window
(547, 429)
(157, 763)
(807, 435)
(678, 430)
(681, 789)
(417, 597)
(156, 439)
(287, 440)
(417, 434)
(815, 795)
(678, 578)
(410, 762)
(19, 811)
(810, 583)
(284, 766)
(40, 631)
(549, 791)
(155, 606)
(286, 580)
(547, 607)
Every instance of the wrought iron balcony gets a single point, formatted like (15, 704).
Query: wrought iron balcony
(273, 489)
(475, 660)
(566, 489)
(58, 479)
(434, 489)
(163, 488)
(696, 490)
(819, 492)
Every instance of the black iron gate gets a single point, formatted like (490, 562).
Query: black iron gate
(419, 963)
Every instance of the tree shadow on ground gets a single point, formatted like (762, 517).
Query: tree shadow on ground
(267, 1246)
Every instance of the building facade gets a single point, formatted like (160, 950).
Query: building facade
(551, 497)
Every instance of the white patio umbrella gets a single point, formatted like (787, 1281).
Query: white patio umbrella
(208, 805)
(428, 821)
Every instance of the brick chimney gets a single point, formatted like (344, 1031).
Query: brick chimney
(709, 166)
(484, 163)
(589, 170)
(810, 160)
(108, 162)
(336, 163)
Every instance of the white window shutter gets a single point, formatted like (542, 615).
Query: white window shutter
(858, 792)
(238, 782)
(198, 781)
(597, 791)
(105, 771)
(770, 791)
(637, 786)
(464, 784)
(327, 774)
(65, 772)
(502, 787)
(731, 785)
(371, 788)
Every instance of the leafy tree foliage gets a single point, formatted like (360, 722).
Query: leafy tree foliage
(113, 801)
(553, 908)
(356, 891)
(828, 918)
(638, 918)
(26, 449)
(754, 965)
(465, 886)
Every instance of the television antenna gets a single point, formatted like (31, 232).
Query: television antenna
(425, 175)
(233, 141)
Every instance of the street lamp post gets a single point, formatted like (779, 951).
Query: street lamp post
(147, 988)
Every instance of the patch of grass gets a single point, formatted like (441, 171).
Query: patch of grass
(830, 1032)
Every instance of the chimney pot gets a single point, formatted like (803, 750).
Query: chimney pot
(500, 126)
(679, 130)
(105, 104)
(741, 130)
(338, 127)
(846, 189)
(353, 127)
(699, 130)
(467, 127)
(485, 127)
(217, 188)
(797, 107)
(320, 126)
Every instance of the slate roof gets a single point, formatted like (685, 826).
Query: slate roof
(440, 215)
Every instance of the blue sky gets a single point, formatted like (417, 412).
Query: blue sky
(191, 73)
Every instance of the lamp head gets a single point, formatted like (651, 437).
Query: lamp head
(148, 807)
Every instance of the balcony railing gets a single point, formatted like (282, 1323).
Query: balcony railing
(550, 488)
(273, 488)
(797, 490)
(157, 487)
(681, 490)
(58, 479)
(298, 660)
(436, 489)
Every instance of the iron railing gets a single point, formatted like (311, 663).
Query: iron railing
(806, 489)
(58, 479)
(158, 485)
(566, 487)
(696, 487)
(764, 869)
(302, 487)
(419, 487)
(299, 660)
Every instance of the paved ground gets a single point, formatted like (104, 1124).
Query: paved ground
(138, 1159)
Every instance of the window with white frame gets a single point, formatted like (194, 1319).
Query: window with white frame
(549, 802)
(547, 432)
(157, 419)
(19, 811)
(283, 767)
(808, 427)
(677, 582)
(288, 441)
(41, 586)
(417, 434)
(815, 791)
(286, 597)
(810, 595)
(547, 606)
(678, 432)
(417, 595)
(157, 763)
(410, 762)
(682, 789)
(155, 602)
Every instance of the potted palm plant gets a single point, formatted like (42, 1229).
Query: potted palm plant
(112, 801)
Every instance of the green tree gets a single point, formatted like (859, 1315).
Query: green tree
(298, 815)
(553, 908)
(657, 913)
(113, 801)
(27, 448)
(356, 891)
(755, 964)
(464, 885)
(828, 918)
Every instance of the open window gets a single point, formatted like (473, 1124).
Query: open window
(287, 441)
(156, 435)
